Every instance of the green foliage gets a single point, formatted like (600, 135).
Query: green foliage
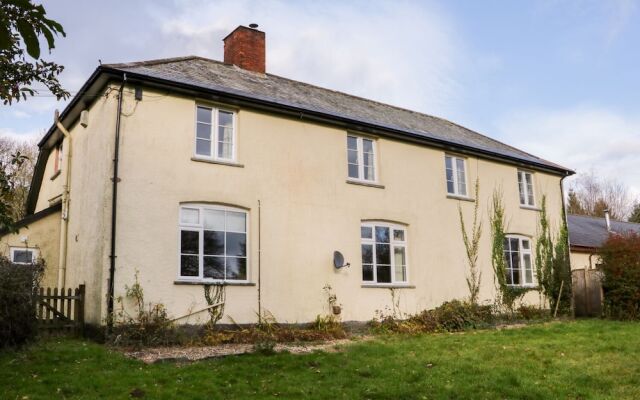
(21, 25)
(451, 316)
(149, 325)
(620, 257)
(472, 246)
(506, 295)
(18, 287)
(574, 206)
(553, 270)
(635, 214)
(7, 191)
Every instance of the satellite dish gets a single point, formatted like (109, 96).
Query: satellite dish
(338, 260)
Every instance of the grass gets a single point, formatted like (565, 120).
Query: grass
(587, 359)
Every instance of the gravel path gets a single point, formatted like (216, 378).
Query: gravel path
(195, 353)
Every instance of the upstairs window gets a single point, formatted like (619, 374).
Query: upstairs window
(23, 255)
(215, 133)
(525, 187)
(361, 158)
(384, 253)
(456, 175)
(213, 243)
(57, 161)
(517, 253)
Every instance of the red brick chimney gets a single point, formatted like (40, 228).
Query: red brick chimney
(245, 47)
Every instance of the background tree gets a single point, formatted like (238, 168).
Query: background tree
(592, 195)
(22, 23)
(17, 161)
(635, 214)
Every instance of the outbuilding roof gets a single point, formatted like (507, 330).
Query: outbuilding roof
(225, 78)
(591, 232)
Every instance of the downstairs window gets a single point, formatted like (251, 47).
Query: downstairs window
(384, 253)
(213, 243)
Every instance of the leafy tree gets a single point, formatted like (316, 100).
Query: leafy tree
(7, 204)
(22, 23)
(635, 214)
(17, 174)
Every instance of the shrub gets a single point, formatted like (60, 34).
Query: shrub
(18, 287)
(451, 316)
(620, 256)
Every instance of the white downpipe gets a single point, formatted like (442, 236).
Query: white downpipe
(64, 221)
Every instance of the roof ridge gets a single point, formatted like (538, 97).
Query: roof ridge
(602, 218)
(155, 61)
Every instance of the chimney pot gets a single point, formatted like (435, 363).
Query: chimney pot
(245, 48)
(607, 218)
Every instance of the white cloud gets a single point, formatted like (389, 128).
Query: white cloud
(400, 53)
(583, 138)
(27, 136)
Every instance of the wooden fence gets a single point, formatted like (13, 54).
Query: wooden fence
(61, 310)
(587, 292)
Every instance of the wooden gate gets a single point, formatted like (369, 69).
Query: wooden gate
(61, 310)
(587, 292)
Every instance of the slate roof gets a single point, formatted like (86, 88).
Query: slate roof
(213, 75)
(592, 232)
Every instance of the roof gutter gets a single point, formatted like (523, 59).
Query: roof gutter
(114, 209)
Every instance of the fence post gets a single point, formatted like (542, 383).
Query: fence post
(80, 308)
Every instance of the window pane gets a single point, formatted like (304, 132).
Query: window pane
(203, 131)
(528, 272)
(382, 234)
(225, 134)
(367, 254)
(369, 173)
(204, 115)
(515, 261)
(525, 244)
(22, 256)
(398, 234)
(236, 244)
(399, 256)
(521, 188)
(366, 232)
(225, 118)
(225, 150)
(352, 143)
(367, 272)
(516, 276)
(190, 216)
(237, 268)
(384, 273)
(213, 267)
(203, 147)
(383, 254)
(448, 163)
(213, 243)
(352, 156)
(515, 245)
(189, 242)
(450, 188)
(189, 265)
(367, 146)
(213, 220)
(401, 273)
(236, 221)
(353, 171)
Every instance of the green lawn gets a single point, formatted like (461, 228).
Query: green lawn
(573, 360)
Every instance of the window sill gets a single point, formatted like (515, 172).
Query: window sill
(387, 286)
(363, 183)
(462, 198)
(532, 208)
(226, 283)
(55, 175)
(219, 162)
(528, 287)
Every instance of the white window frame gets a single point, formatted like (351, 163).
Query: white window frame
(523, 189)
(360, 151)
(34, 254)
(199, 227)
(521, 253)
(392, 245)
(214, 133)
(456, 181)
